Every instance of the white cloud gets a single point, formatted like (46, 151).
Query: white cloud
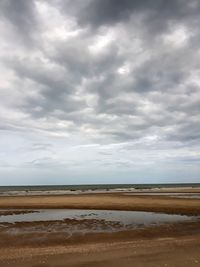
(177, 37)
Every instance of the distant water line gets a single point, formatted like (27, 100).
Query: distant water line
(94, 187)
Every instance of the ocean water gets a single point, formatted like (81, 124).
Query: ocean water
(93, 187)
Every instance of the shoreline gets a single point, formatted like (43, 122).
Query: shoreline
(162, 190)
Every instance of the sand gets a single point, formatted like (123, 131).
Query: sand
(148, 253)
(176, 244)
(115, 201)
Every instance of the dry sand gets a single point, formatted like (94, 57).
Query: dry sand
(168, 245)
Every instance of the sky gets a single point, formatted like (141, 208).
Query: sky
(99, 91)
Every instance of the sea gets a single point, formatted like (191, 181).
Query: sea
(92, 187)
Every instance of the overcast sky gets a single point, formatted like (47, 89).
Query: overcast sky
(99, 91)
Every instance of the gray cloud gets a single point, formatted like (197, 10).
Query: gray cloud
(156, 14)
(21, 16)
(101, 71)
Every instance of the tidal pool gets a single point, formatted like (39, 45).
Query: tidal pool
(133, 218)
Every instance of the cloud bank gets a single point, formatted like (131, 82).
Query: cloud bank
(99, 91)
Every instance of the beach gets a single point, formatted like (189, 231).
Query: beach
(107, 201)
(46, 243)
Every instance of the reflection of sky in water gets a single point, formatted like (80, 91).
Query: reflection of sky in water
(133, 218)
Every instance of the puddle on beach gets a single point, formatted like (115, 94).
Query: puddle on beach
(92, 220)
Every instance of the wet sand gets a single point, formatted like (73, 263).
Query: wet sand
(112, 201)
(176, 244)
(162, 246)
(146, 253)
